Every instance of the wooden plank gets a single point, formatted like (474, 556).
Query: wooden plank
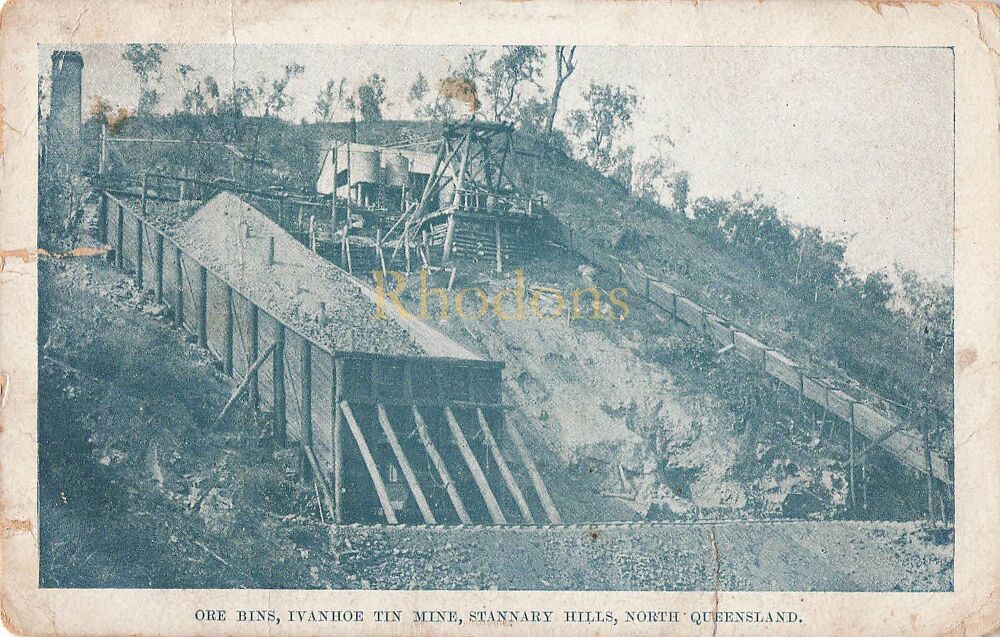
(251, 373)
(120, 237)
(216, 316)
(536, 478)
(366, 455)
(179, 299)
(305, 370)
(404, 465)
(783, 368)
(322, 408)
(202, 306)
(278, 384)
(508, 477)
(294, 345)
(749, 348)
(253, 345)
(338, 451)
(102, 219)
(140, 228)
(442, 469)
(158, 265)
(477, 472)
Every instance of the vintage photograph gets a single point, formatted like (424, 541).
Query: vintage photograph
(515, 318)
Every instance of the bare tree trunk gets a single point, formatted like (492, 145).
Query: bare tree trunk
(564, 68)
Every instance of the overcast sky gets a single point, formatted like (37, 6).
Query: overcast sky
(852, 140)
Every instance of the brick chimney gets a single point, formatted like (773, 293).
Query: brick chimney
(64, 124)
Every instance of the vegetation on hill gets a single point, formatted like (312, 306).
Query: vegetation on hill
(785, 282)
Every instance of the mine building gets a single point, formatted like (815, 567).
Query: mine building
(433, 208)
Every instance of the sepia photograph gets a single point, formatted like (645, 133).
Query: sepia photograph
(500, 317)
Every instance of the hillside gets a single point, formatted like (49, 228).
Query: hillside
(649, 352)
(879, 350)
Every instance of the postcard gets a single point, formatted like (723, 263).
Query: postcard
(499, 318)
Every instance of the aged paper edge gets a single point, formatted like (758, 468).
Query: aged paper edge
(971, 29)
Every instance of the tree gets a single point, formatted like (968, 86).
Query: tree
(651, 176)
(877, 290)
(146, 64)
(609, 112)
(272, 101)
(565, 65)
(680, 187)
(419, 89)
(516, 67)
(199, 96)
(371, 97)
(622, 166)
(329, 100)
(532, 114)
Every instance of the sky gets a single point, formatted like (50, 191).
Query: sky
(857, 141)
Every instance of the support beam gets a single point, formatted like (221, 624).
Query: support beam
(366, 455)
(139, 240)
(536, 478)
(438, 461)
(338, 452)
(404, 465)
(252, 347)
(515, 490)
(102, 219)
(278, 383)
(202, 306)
(120, 238)
(477, 472)
(305, 373)
(158, 264)
(247, 381)
(179, 300)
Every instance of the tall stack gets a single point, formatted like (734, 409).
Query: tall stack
(64, 125)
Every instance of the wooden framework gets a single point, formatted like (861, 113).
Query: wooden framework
(420, 415)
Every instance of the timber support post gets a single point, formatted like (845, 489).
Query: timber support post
(202, 306)
(102, 219)
(442, 470)
(252, 346)
(305, 370)
(338, 453)
(477, 471)
(404, 465)
(120, 237)
(536, 478)
(278, 382)
(179, 301)
(139, 239)
(158, 264)
(373, 472)
(508, 477)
